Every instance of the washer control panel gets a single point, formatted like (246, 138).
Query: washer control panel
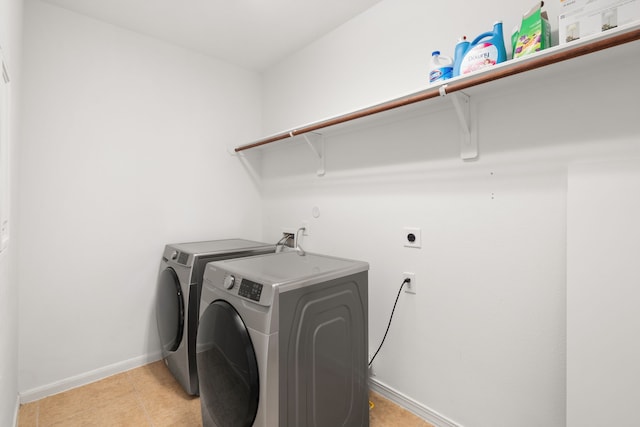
(234, 284)
(250, 289)
(229, 281)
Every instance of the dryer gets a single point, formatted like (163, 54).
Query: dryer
(178, 299)
(282, 341)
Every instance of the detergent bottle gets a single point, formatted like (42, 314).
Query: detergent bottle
(484, 51)
(461, 48)
(441, 67)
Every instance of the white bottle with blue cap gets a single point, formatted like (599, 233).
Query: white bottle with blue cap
(441, 68)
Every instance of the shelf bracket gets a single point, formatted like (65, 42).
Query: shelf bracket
(467, 118)
(315, 141)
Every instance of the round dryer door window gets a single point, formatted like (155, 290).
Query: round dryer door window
(169, 310)
(227, 368)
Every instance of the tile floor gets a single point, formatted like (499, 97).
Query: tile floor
(149, 396)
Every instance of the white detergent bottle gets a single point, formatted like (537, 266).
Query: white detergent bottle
(441, 68)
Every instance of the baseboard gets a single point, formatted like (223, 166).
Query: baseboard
(16, 410)
(86, 378)
(411, 405)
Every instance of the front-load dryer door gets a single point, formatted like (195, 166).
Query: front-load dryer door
(227, 368)
(169, 311)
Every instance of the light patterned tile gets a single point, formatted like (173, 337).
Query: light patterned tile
(90, 397)
(168, 405)
(150, 396)
(387, 414)
(28, 414)
(122, 411)
(151, 375)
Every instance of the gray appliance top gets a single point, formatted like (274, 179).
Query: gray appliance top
(290, 270)
(213, 247)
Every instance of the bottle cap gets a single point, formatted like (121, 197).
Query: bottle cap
(435, 52)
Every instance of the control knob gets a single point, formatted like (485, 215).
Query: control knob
(229, 281)
(174, 255)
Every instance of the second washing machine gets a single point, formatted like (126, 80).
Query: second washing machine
(178, 299)
(282, 342)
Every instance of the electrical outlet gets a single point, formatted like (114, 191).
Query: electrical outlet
(410, 287)
(412, 237)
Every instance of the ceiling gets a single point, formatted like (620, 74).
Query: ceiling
(251, 33)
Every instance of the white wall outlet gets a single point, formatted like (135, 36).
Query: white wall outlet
(412, 237)
(410, 287)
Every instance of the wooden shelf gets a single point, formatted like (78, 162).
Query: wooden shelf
(553, 55)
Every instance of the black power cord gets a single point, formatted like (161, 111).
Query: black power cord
(407, 280)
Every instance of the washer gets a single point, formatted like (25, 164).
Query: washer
(178, 299)
(282, 341)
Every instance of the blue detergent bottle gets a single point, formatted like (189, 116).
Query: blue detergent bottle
(484, 51)
(461, 48)
(441, 67)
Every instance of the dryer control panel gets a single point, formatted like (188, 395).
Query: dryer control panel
(250, 289)
(234, 284)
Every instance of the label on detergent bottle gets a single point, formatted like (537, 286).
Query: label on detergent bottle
(441, 67)
(442, 73)
(481, 56)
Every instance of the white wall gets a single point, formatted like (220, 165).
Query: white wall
(10, 43)
(603, 320)
(113, 122)
(381, 54)
(483, 343)
(124, 151)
